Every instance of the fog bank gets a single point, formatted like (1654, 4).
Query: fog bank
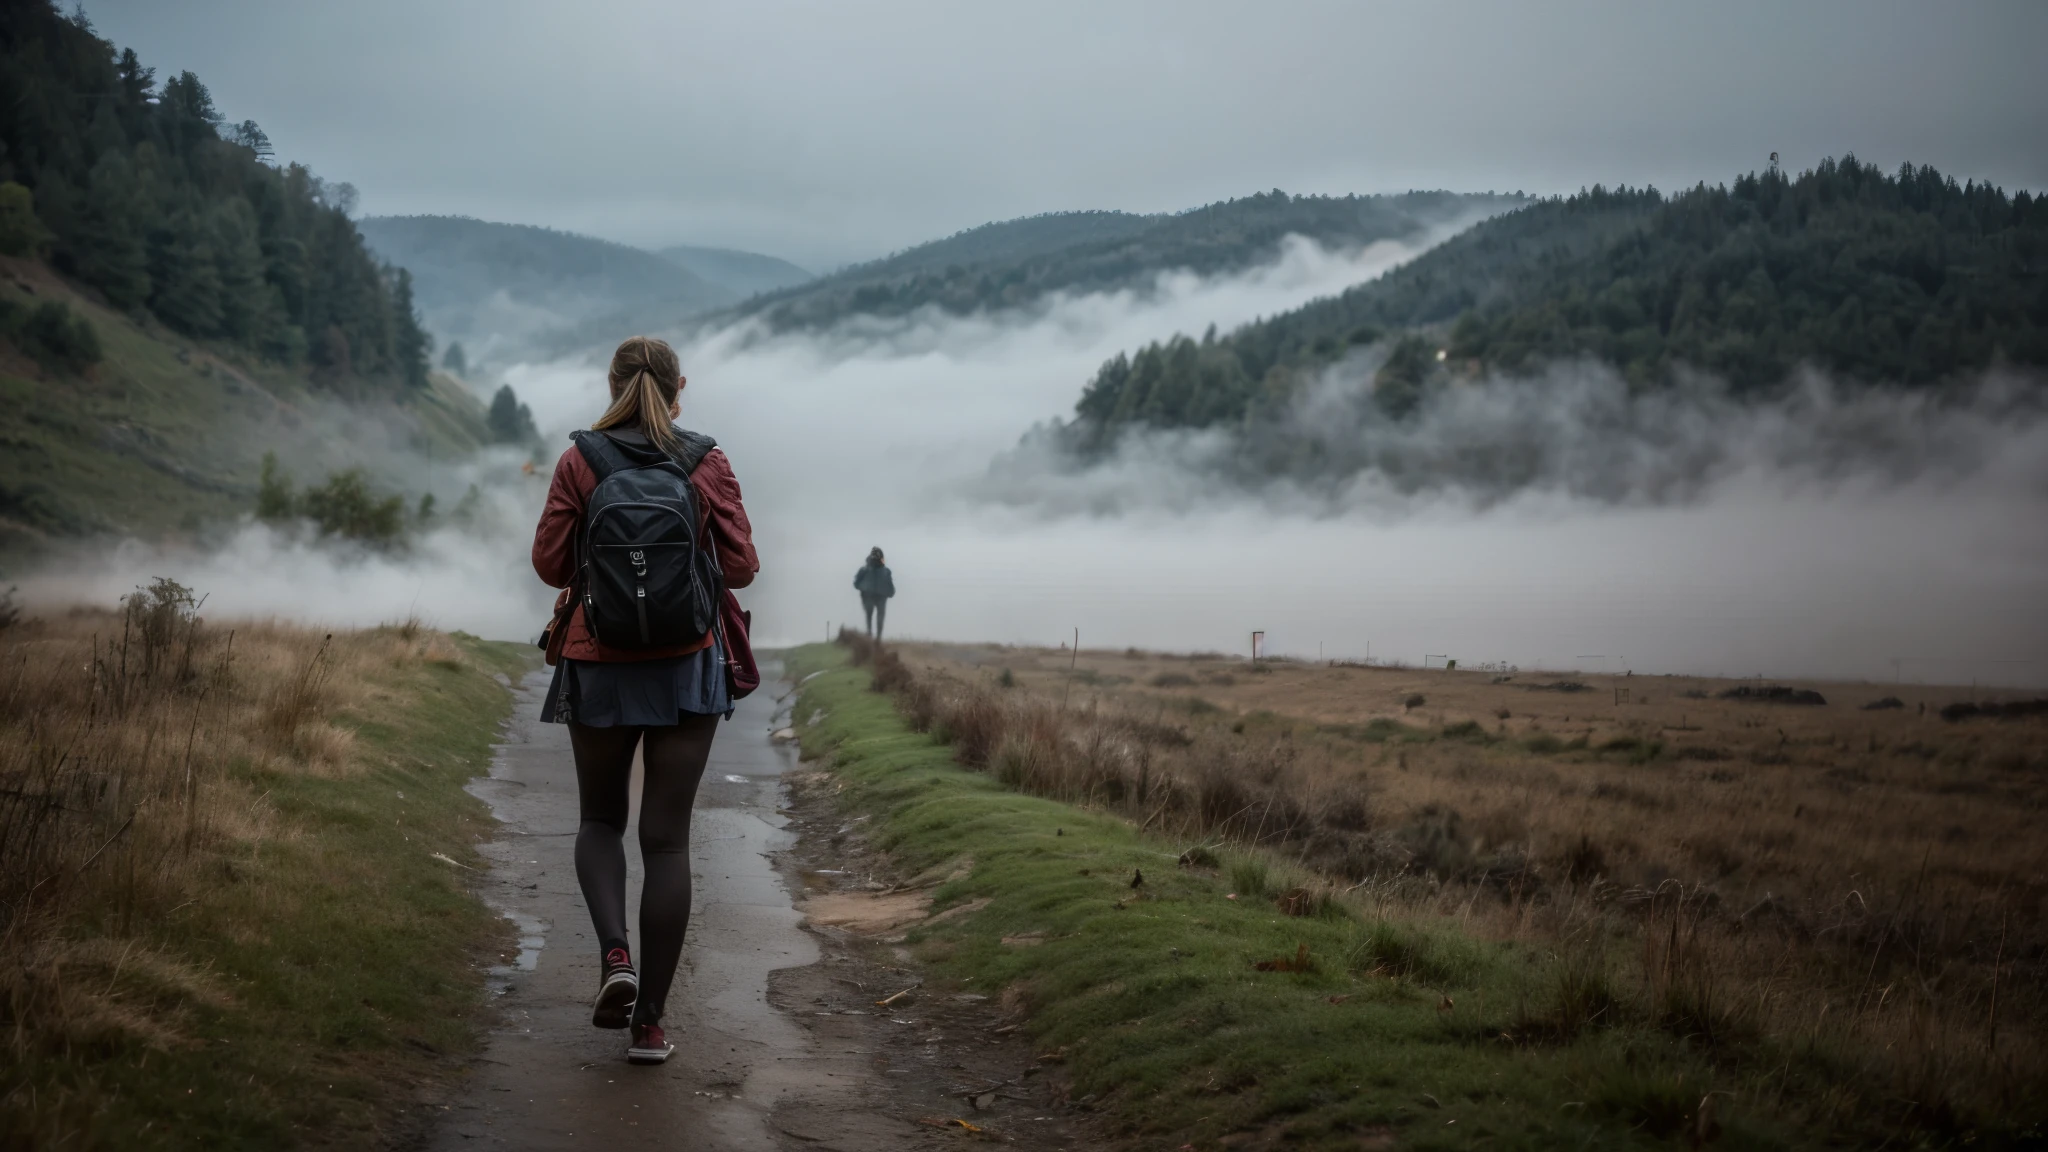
(469, 572)
(1577, 430)
(1827, 536)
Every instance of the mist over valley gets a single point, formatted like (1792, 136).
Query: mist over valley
(1528, 520)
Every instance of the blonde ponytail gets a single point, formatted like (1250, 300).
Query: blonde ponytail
(644, 378)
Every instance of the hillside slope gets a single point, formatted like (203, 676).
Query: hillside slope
(175, 301)
(163, 438)
(144, 193)
(1015, 262)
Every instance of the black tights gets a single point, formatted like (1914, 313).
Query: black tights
(673, 763)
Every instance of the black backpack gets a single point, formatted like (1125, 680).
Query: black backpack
(647, 580)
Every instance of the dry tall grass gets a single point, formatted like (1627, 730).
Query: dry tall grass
(128, 747)
(1852, 897)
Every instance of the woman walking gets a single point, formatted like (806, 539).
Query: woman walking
(656, 682)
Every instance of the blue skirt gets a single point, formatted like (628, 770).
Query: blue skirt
(644, 693)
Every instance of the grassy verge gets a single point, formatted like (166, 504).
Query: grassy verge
(1179, 1009)
(277, 948)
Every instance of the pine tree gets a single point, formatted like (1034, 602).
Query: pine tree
(334, 355)
(250, 315)
(106, 248)
(509, 421)
(190, 120)
(184, 277)
(411, 346)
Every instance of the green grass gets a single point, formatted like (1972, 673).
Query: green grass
(1631, 750)
(1545, 744)
(1153, 1003)
(1468, 731)
(342, 955)
(1379, 730)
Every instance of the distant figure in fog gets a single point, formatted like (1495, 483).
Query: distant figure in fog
(875, 587)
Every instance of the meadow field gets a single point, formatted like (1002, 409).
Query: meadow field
(1836, 888)
(234, 910)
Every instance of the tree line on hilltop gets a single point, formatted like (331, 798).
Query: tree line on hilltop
(145, 193)
(1016, 262)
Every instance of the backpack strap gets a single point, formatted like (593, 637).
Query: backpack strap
(600, 453)
(692, 449)
(605, 458)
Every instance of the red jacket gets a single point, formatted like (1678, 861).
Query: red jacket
(554, 545)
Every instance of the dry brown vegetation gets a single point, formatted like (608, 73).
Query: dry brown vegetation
(1857, 892)
(134, 746)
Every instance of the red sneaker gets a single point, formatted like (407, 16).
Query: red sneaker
(617, 991)
(649, 1045)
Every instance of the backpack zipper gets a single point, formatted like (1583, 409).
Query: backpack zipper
(639, 559)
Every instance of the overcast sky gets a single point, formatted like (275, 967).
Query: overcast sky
(828, 132)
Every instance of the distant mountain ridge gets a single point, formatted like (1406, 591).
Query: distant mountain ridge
(746, 273)
(1015, 239)
(508, 292)
(1013, 263)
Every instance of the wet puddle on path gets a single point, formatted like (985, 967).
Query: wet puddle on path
(548, 1079)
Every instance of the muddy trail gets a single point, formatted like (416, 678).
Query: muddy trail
(780, 1043)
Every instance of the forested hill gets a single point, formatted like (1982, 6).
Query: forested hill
(1906, 279)
(145, 194)
(1015, 262)
(174, 304)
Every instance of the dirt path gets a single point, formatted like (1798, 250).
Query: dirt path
(746, 1074)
